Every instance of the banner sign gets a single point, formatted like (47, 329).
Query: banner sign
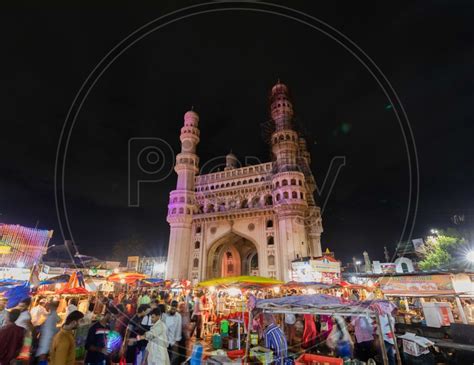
(319, 271)
(422, 284)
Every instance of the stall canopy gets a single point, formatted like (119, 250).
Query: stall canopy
(74, 291)
(312, 284)
(75, 285)
(7, 284)
(152, 281)
(55, 280)
(299, 301)
(126, 277)
(17, 294)
(240, 281)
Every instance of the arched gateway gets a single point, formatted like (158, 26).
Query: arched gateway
(232, 255)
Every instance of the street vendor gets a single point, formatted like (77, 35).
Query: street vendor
(274, 338)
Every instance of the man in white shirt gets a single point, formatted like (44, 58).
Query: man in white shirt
(173, 322)
(24, 320)
(48, 330)
(3, 313)
(39, 313)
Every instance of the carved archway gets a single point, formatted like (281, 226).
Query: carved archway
(232, 255)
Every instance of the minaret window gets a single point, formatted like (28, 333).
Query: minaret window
(294, 195)
(269, 223)
(277, 185)
(284, 182)
(301, 195)
(268, 200)
(293, 182)
(181, 210)
(271, 260)
(198, 228)
(285, 195)
(255, 201)
(300, 183)
(197, 245)
(196, 263)
(278, 197)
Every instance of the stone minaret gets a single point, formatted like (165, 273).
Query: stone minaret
(288, 182)
(313, 219)
(181, 204)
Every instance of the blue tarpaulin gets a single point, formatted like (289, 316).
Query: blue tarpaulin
(56, 280)
(17, 294)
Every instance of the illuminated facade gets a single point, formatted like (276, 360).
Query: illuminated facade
(251, 220)
(22, 246)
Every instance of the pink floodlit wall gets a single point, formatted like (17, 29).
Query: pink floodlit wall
(26, 245)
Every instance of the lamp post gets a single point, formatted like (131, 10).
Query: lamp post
(357, 264)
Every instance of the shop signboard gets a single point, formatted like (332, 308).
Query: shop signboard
(15, 273)
(417, 284)
(319, 271)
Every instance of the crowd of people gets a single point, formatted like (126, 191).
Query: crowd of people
(154, 328)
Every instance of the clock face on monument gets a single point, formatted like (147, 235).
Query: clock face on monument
(187, 145)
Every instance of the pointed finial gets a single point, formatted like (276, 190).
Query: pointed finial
(192, 107)
(278, 81)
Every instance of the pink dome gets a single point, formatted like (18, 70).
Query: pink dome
(191, 117)
(279, 88)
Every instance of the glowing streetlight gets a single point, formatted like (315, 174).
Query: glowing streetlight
(434, 231)
(357, 264)
(470, 256)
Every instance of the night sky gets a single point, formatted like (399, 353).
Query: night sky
(224, 65)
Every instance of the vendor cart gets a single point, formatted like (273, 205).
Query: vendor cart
(323, 305)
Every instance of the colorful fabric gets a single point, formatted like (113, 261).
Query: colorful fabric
(310, 332)
(26, 348)
(363, 329)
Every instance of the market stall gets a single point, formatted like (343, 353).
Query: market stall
(432, 300)
(327, 306)
(224, 303)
